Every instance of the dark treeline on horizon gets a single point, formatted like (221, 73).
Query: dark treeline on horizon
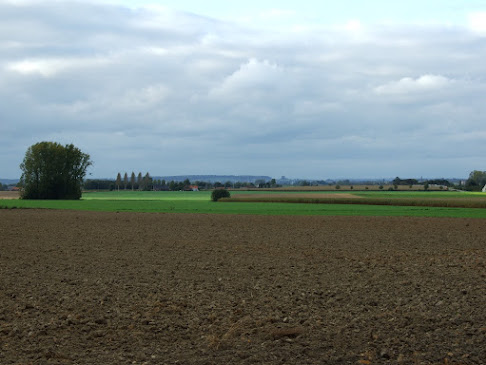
(475, 182)
(147, 183)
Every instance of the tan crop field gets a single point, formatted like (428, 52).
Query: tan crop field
(285, 196)
(370, 187)
(9, 194)
(149, 288)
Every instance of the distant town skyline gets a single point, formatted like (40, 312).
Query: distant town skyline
(311, 89)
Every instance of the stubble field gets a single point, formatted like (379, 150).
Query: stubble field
(144, 288)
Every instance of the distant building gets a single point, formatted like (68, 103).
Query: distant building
(191, 188)
(484, 189)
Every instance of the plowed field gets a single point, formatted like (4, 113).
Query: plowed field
(143, 288)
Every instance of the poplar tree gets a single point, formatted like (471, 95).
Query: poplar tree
(125, 181)
(147, 180)
(132, 180)
(118, 181)
(139, 181)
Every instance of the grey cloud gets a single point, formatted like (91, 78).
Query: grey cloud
(177, 93)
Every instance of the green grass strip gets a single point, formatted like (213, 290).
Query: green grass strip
(200, 203)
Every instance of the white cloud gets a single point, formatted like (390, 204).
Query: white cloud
(477, 22)
(51, 67)
(251, 77)
(408, 85)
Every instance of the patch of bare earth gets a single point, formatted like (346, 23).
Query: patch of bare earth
(127, 288)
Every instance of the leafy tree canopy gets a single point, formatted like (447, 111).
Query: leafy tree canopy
(53, 171)
(219, 193)
(477, 179)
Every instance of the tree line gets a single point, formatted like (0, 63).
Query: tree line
(443, 182)
(139, 182)
(5, 187)
(475, 182)
(147, 183)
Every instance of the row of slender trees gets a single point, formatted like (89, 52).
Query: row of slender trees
(145, 183)
(134, 182)
(139, 182)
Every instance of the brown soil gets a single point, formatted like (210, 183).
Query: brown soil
(295, 196)
(9, 194)
(134, 288)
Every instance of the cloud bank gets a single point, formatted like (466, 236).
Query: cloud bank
(154, 89)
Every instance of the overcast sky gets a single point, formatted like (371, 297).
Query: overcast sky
(310, 89)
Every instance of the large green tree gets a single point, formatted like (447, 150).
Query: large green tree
(476, 181)
(53, 171)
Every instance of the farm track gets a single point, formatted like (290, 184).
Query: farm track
(142, 288)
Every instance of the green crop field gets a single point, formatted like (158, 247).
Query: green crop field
(199, 202)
